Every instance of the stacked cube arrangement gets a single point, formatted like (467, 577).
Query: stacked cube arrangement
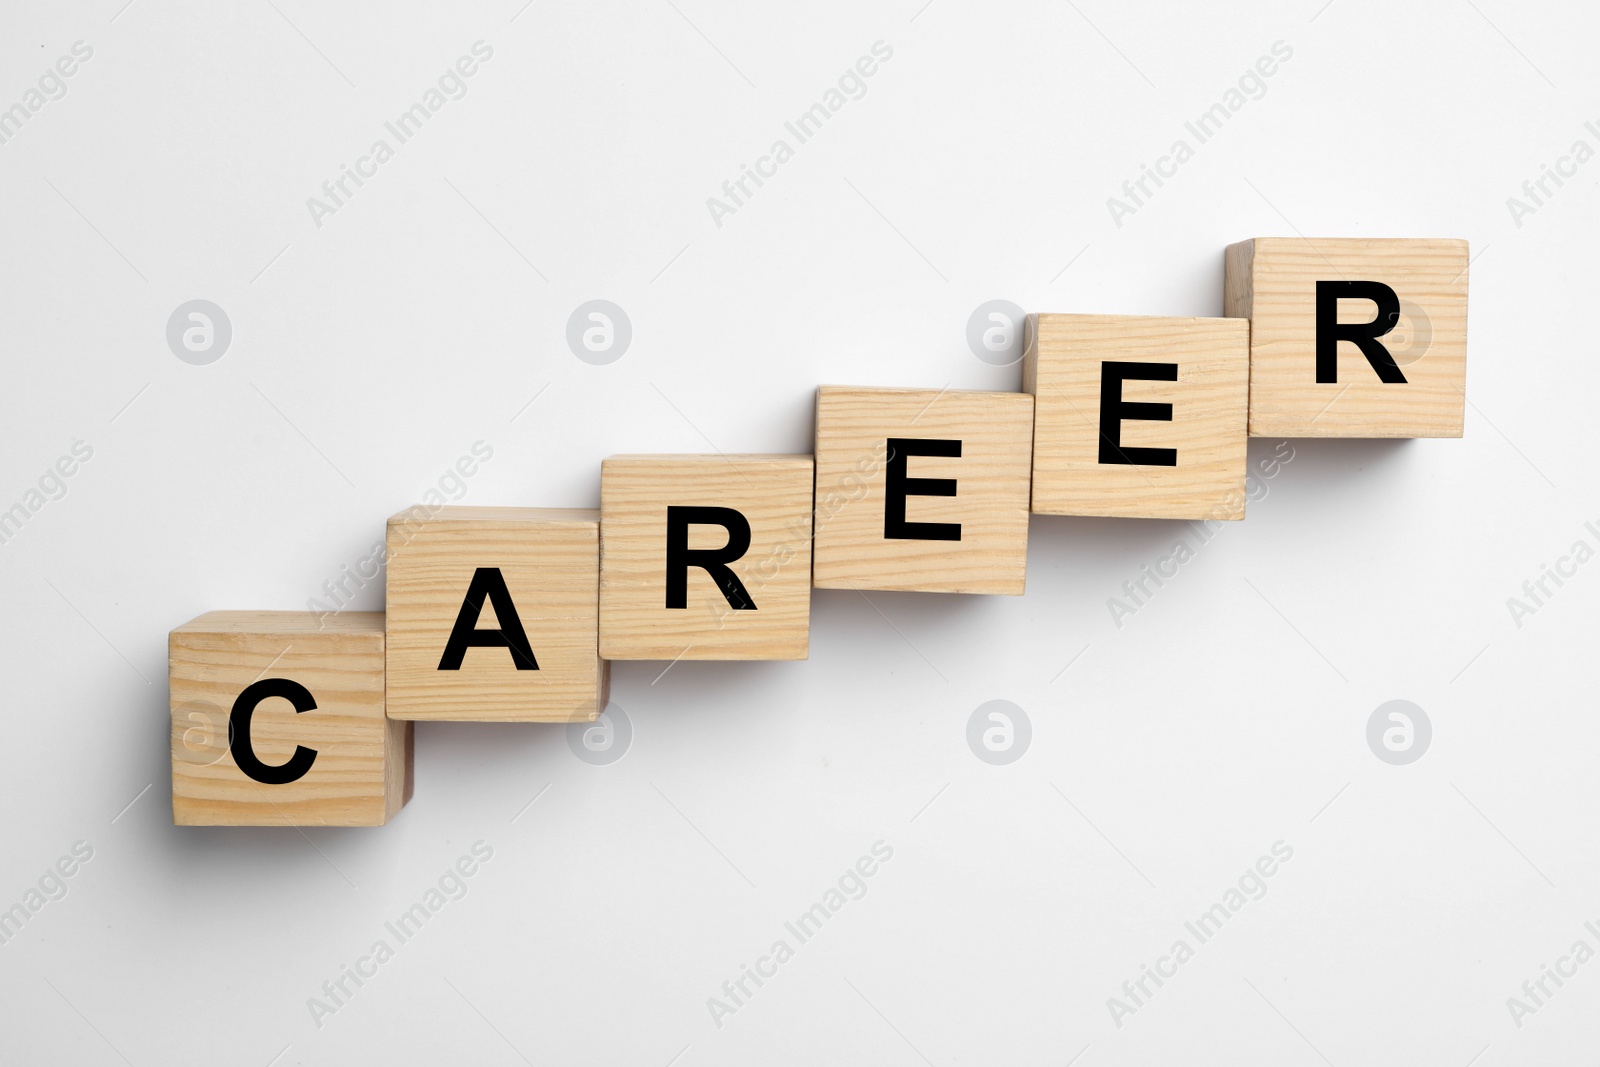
(514, 614)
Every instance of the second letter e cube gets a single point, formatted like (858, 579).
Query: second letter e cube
(1138, 416)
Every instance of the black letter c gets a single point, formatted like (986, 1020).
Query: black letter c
(239, 727)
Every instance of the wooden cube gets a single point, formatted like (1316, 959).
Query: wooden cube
(922, 490)
(1354, 337)
(705, 557)
(277, 720)
(494, 615)
(1138, 416)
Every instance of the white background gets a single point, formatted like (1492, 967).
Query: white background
(371, 352)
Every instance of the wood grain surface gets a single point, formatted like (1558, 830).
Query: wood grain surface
(774, 494)
(991, 501)
(549, 559)
(1209, 401)
(1272, 281)
(362, 773)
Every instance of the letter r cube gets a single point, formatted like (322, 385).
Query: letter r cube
(1353, 337)
(705, 557)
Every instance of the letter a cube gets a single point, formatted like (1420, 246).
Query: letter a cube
(1353, 337)
(1138, 416)
(923, 489)
(705, 557)
(277, 720)
(494, 615)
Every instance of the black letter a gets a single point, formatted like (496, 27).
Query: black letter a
(487, 582)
